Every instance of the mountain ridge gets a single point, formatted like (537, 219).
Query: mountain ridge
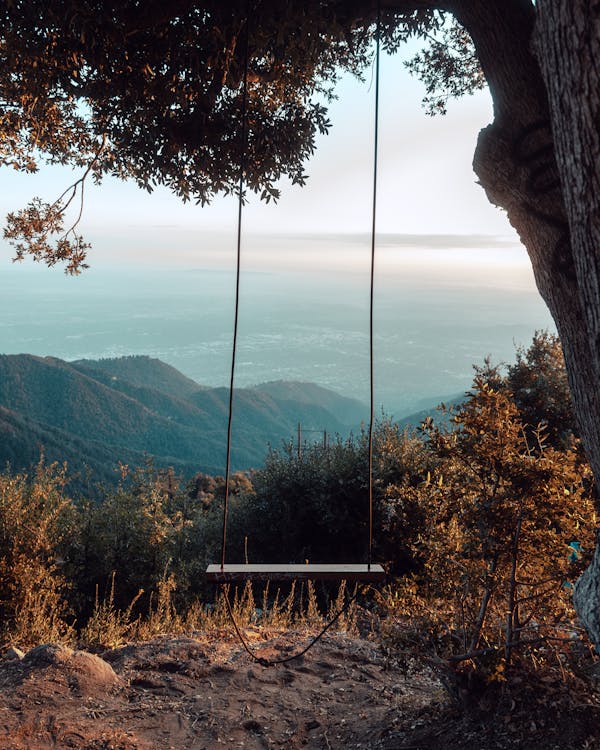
(133, 408)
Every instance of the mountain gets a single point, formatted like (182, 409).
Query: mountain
(94, 413)
(431, 410)
(141, 370)
(346, 410)
(23, 441)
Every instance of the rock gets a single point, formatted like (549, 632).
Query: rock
(14, 653)
(85, 672)
(47, 654)
(91, 671)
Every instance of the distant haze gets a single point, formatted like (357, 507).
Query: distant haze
(442, 304)
(453, 284)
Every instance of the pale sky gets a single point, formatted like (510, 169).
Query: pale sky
(453, 282)
(426, 187)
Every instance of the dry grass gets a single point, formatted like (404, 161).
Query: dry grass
(109, 626)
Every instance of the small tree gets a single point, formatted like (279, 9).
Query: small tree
(537, 383)
(497, 552)
(135, 532)
(315, 506)
(36, 522)
(540, 388)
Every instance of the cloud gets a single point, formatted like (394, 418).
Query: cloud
(425, 241)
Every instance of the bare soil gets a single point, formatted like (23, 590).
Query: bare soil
(204, 692)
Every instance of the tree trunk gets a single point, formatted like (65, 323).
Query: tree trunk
(567, 44)
(513, 623)
(539, 161)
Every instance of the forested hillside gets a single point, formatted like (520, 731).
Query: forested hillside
(487, 510)
(94, 414)
(141, 371)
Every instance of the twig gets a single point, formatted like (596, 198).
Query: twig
(494, 649)
(73, 188)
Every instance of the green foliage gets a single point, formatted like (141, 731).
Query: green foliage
(448, 67)
(135, 532)
(540, 388)
(152, 532)
(537, 383)
(315, 505)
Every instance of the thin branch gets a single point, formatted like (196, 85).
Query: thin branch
(494, 649)
(81, 179)
(536, 583)
(512, 616)
(539, 595)
(487, 595)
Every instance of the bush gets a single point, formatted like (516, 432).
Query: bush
(506, 526)
(315, 506)
(36, 522)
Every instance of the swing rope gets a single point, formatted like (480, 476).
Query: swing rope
(285, 659)
(372, 287)
(244, 136)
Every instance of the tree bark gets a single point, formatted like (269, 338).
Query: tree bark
(549, 188)
(567, 44)
(539, 161)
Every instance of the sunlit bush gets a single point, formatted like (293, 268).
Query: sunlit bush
(509, 523)
(36, 523)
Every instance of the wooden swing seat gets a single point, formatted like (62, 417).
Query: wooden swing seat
(234, 573)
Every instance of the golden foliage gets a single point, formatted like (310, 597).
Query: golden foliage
(36, 520)
(508, 527)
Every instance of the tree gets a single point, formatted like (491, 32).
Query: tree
(537, 383)
(155, 96)
(539, 387)
(506, 521)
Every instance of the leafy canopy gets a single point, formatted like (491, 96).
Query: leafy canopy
(537, 382)
(153, 92)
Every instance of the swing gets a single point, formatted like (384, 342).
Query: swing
(368, 572)
(234, 572)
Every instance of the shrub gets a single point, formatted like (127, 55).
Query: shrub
(36, 522)
(315, 506)
(505, 524)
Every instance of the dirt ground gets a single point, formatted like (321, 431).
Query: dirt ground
(204, 693)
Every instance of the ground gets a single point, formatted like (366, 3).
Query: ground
(204, 692)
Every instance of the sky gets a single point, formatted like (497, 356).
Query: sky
(426, 190)
(453, 283)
